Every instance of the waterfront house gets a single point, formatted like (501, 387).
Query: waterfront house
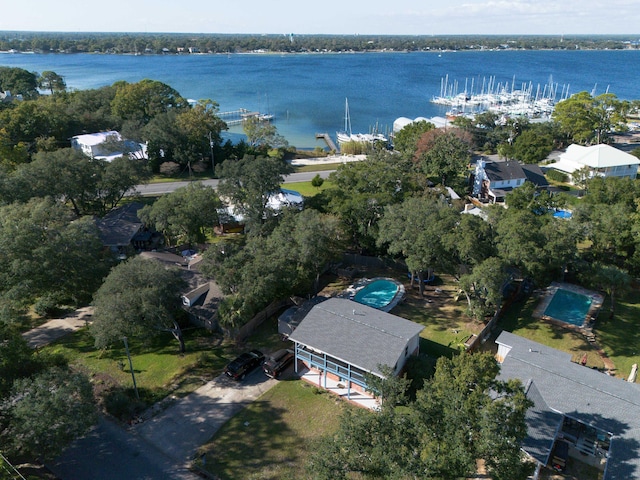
(601, 160)
(492, 181)
(594, 416)
(340, 341)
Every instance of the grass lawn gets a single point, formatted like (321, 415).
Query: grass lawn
(158, 366)
(273, 436)
(305, 188)
(620, 336)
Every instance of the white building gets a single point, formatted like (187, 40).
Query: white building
(602, 160)
(107, 146)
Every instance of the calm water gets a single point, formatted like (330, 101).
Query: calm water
(377, 294)
(307, 92)
(569, 307)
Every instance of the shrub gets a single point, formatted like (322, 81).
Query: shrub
(556, 175)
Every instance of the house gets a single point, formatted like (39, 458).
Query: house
(121, 230)
(602, 160)
(342, 341)
(597, 415)
(492, 181)
(107, 146)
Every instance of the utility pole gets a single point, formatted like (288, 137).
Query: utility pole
(213, 167)
(133, 376)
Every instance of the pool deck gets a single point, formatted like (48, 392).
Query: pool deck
(350, 292)
(586, 328)
(596, 304)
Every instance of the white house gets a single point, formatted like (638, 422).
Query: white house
(602, 160)
(95, 145)
(494, 180)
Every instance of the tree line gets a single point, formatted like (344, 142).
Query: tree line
(165, 43)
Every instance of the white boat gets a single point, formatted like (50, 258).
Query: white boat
(347, 135)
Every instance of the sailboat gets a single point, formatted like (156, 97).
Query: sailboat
(347, 135)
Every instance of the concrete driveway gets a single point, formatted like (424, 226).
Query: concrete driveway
(58, 328)
(182, 428)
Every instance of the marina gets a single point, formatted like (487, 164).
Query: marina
(500, 97)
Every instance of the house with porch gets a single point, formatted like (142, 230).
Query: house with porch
(592, 416)
(601, 160)
(340, 341)
(492, 181)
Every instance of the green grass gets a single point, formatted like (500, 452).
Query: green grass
(620, 336)
(321, 167)
(272, 437)
(306, 189)
(158, 366)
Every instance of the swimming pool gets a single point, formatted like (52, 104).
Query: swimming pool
(569, 307)
(378, 294)
(562, 214)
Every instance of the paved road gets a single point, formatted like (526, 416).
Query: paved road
(110, 453)
(154, 189)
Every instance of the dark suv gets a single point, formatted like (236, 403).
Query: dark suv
(277, 363)
(244, 364)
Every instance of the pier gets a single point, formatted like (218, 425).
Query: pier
(238, 117)
(328, 140)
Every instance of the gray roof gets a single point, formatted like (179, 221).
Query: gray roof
(511, 170)
(118, 227)
(589, 396)
(357, 334)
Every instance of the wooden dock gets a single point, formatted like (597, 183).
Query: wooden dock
(328, 140)
(238, 117)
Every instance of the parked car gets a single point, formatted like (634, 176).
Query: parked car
(244, 364)
(277, 363)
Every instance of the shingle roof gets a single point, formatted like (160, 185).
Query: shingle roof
(119, 226)
(502, 171)
(607, 403)
(354, 333)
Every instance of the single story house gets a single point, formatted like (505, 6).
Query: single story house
(343, 340)
(597, 415)
(107, 146)
(492, 181)
(602, 160)
(122, 230)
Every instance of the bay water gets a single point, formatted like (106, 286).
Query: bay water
(307, 92)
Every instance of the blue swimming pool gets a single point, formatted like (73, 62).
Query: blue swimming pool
(562, 214)
(569, 307)
(377, 294)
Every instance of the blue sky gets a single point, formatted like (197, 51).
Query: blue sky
(413, 17)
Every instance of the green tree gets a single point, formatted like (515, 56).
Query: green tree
(18, 81)
(44, 413)
(406, 140)
(589, 120)
(51, 81)
(145, 99)
(483, 287)
(412, 230)
(261, 133)
(186, 215)
(456, 419)
(359, 193)
(46, 251)
(139, 298)
(443, 154)
(248, 184)
(532, 146)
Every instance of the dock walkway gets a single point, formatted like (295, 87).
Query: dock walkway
(328, 140)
